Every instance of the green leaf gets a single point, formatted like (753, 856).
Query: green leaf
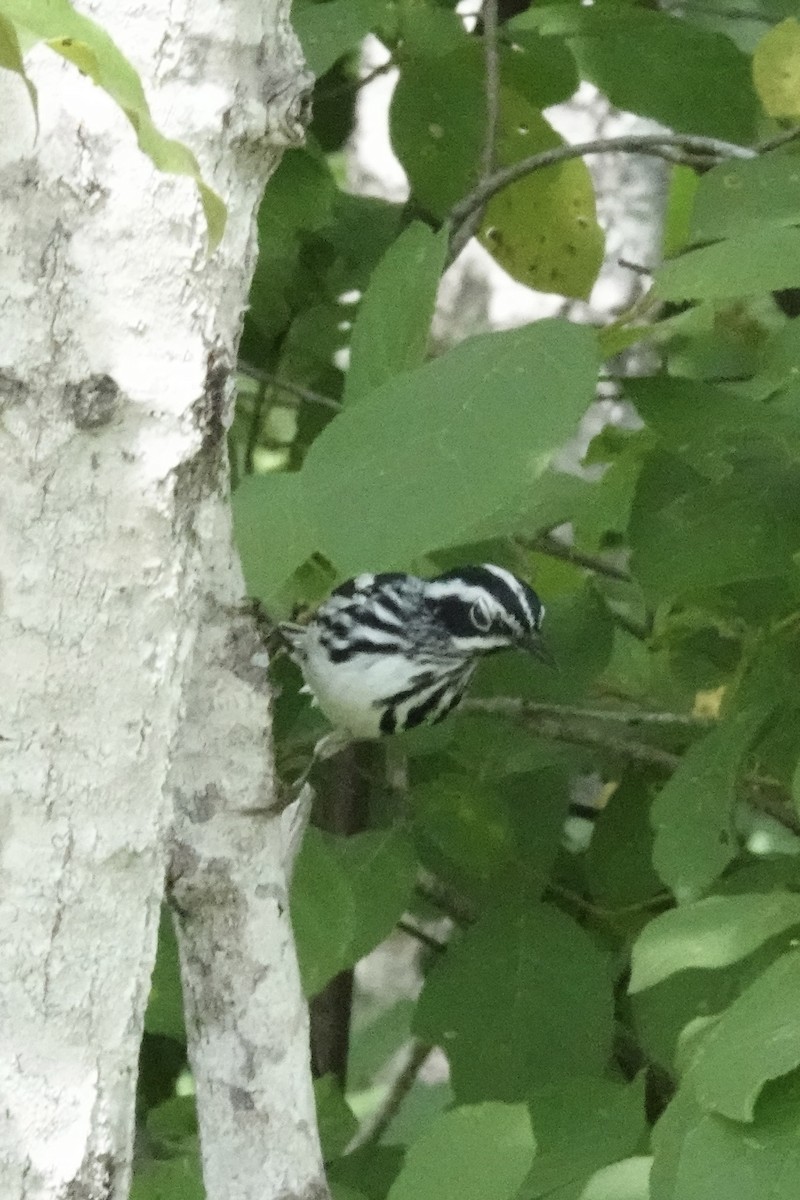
(522, 999)
(335, 1119)
(482, 1152)
(693, 813)
(542, 229)
(619, 860)
(710, 427)
(173, 1125)
(581, 1124)
(437, 125)
(272, 532)
(742, 194)
(11, 59)
(626, 1180)
(164, 1013)
(579, 634)
(760, 259)
(776, 69)
(370, 1170)
(466, 823)
(381, 867)
(323, 912)
(659, 66)
(327, 31)
(700, 1156)
(757, 1039)
(347, 895)
(681, 208)
(711, 933)
(392, 327)
(461, 434)
(689, 535)
(89, 47)
(438, 112)
(687, 1000)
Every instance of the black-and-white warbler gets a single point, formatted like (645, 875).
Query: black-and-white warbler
(389, 652)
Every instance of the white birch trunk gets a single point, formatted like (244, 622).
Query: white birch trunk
(116, 335)
(246, 1023)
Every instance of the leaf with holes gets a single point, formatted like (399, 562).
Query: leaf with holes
(542, 229)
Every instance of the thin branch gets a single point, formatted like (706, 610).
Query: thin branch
(355, 85)
(373, 1130)
(511, 706)
(254, 428)
(732, 14)
(288, 386)
(766, 795)
(655, 145)
(641, 630)
(445, 899)
(637, 268)
(421, 935)
(470, 224)
(553, 548)
(780, 139)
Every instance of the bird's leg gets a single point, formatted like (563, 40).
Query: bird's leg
(328, 746)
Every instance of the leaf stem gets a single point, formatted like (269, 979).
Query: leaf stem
(287, 385)
(374, 1128)
(553, 548)
(511, 706)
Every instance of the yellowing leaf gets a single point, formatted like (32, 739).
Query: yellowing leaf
(90, 48)
(776, 69)
(11, 57)
(542, 229)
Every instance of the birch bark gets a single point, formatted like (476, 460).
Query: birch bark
(117, 335)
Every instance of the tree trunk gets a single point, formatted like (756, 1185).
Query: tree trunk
(117, 336)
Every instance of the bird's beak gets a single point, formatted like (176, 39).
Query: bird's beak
(535, 646)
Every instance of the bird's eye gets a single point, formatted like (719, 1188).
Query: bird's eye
(481, 616)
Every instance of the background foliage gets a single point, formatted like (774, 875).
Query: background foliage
(623, 1022)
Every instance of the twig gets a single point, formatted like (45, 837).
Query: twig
(445, 899)
(780, 139)
(553, 548)
(470, 224)
(733, 14)
(637, 268)
(286, 385)
(355, 85)
(421, 935)
(373, 1130)
(641, 630)
(767, 795)
(254, 429)
(511, 706)
(655, 145)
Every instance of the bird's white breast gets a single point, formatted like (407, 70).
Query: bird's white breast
(351, 693)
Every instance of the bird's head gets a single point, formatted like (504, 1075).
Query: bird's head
(486, 608)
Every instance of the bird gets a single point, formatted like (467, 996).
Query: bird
(389, 652)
